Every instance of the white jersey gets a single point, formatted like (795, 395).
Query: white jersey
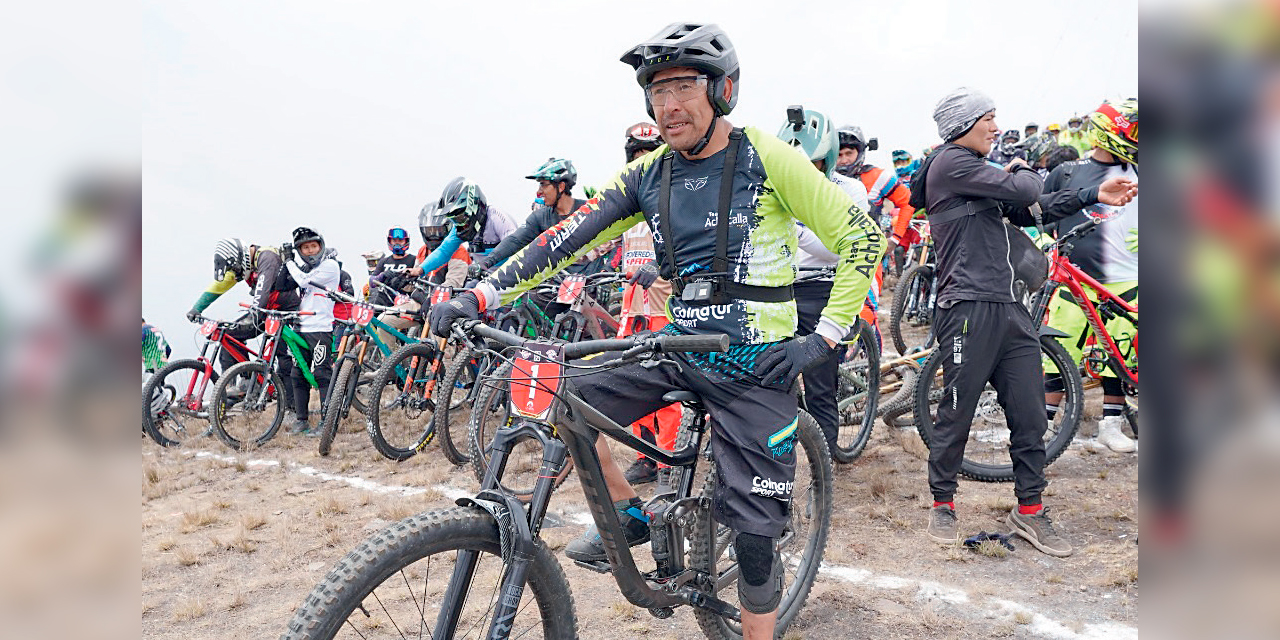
(811, 252)
(314, 284)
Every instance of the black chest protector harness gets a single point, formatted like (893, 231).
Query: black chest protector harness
(716, 286)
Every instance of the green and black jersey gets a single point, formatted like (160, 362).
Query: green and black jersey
(773, 187)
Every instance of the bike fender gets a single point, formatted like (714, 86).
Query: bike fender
(1047, 330)
(513, 530)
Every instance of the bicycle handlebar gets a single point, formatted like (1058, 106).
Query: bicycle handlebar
(630, 346)
(277, 312)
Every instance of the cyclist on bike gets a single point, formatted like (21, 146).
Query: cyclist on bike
(555, 179)
(1008, 149)
(155, 349)
(1075, 136)
(263, 270)
(817, 140)
(1109, 254)
(472, 221)
(904, 166)
(739, 286)
(317, 274)
(393, 269)
(881, 185)
(979, 320)
(644, 304)
(371, 260)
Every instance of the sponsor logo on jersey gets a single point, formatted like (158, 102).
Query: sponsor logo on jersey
(771, 488)
(693, 184)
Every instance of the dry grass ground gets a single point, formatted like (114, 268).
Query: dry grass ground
(231, 546)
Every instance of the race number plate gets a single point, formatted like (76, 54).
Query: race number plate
(362, 314)
(273, 324)
(441, 294)
(207, 328)
(401, 300)
(535, 378)
(570, 289)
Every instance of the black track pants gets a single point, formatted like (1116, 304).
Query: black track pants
(989, 342)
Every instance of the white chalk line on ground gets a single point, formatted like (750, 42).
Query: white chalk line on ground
(926, 590)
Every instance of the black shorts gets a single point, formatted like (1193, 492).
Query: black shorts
(754, 433)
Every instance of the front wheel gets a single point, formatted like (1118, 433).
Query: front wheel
(857, 391)
(986, 453)
(246, 407)
(799, 549)
(175, 402)
(911, 303)
(393, 585)
(456, 397)
(342, 390)
(401, 413)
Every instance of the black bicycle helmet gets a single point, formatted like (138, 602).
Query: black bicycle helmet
(433, 224)
(464, 203)
(303, 235)
(704, 47)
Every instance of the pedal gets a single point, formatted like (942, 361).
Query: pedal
(598, 567)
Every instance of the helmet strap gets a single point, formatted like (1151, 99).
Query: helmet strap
(706, 139)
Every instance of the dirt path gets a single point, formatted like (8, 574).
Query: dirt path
(232, 544)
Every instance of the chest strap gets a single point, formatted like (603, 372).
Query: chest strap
(720, 263)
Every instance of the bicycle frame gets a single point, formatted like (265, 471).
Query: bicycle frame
(596, 323)
(217, 341)
(578, 425)
(1063, 272)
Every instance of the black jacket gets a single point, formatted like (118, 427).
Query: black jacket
(533, 226)
(973, 251)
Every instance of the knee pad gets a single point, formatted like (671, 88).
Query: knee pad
(759, 573)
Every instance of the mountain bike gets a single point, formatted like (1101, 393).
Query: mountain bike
(916, 293)
(585, 317)
(857, 391)
(176, 399)
(462, 571)
(525, 317)
(402, 420)
(349, 370)
(246, 405)
(1102, 351)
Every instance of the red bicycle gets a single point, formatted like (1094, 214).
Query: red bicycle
(1102, 351)
(175, 401)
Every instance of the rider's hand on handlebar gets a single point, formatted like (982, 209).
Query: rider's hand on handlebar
(1117, 191)
(465, 305)
(645, 274)
(477, 271)
(1015, 163)
(193, 316)
(781, 364)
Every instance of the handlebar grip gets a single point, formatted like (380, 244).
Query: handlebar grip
(306, 313)
(694, 344)
(245, 305)
(575, 350)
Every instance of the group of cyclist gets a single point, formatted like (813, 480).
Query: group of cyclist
(714, 223)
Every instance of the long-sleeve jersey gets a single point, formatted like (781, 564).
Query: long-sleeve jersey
(1103, 254)
(811, 252)
(315, 284)
(537, 222)
(388, 272)
(773, 186)
(272, 287)
(497, 226)
(884, 185)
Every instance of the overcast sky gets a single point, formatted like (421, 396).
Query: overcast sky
(348, 117)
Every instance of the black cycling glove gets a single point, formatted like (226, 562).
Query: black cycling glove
(477, 271)
(466, 305)
(286, 252)
(781, 364)
(645, 274)
(193, 316)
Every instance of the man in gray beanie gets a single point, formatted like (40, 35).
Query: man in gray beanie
(987, 333)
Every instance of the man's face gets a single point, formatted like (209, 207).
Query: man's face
(1073, 125)
(309, 248)
(982, 136)
(682, 124)
(901, 162)
(547, 190)
(1030, 131)
(848, 155)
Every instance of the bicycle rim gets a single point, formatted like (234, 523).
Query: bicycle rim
(247, 406)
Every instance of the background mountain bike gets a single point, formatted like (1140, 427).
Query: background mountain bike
(585, 318)
(246, 408)
(916, 293)
(176, 399)
(857, 391)
(418, 576)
